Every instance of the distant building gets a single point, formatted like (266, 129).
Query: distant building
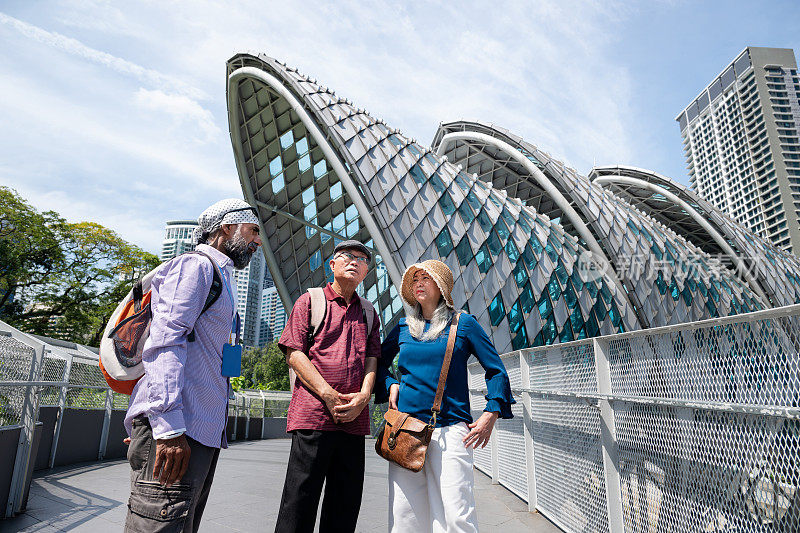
(740, 136)
(273, 316)
(177, 238)
(249, 291)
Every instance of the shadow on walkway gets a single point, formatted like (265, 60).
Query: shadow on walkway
(245, 496)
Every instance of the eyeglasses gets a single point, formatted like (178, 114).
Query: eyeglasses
(350, 257)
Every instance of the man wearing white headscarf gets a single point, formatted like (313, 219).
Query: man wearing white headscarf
(178, 409)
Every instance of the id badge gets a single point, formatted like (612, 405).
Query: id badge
(231, 360)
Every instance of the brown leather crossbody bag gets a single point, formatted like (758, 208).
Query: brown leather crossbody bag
(403, 439)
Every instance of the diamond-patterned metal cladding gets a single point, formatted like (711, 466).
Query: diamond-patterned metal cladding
(667, 277)
(775, 271)
(527, 280)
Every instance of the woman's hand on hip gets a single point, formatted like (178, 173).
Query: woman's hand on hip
(481, 430)
(394, 394)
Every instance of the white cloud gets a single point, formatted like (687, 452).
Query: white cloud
(539, 69)
(184, 110)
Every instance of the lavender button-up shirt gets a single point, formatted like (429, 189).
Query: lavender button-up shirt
(183, 386)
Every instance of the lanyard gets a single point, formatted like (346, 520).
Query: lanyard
(235, 323)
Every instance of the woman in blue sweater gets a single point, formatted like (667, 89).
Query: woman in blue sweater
(439, 497)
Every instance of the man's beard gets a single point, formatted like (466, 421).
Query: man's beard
(239, 250)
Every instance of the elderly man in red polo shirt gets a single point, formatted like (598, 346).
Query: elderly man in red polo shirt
(327, 416)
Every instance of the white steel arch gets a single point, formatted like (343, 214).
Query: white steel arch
(330, 155)
(741, 267)
(552, 191)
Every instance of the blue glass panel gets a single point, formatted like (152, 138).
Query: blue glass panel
(634, 228)
(438, 184)
(308, 195)
(657, 251)
(352, 229)
(287, 139)
(275, 166)
(444, 243)
(277, 183)
(336, 191)
(395, 140)
(484, 221)
(538, 340)
(320, 169)
(527, 300)
(462, 182)
(646, 234)
(545, 306)
(711, 308)
(524, 225)
(519, 340)
(483, 259)
(551, 252)
(536, 246)
(466, 213)
(302, 146)
(561, 273)
(660, 283)
(417, 174)
(304, 163)
(592, 288)
(495, 246)
(549, 332)
(502, 229)
(530, 258)
(520, 274)
(554, 289)
(464, 252)
(592, 329)
(673, 288)
(512, 251)
(446, 204)
(493, 198)
(566, 333)
(570, 298)
(351, 212)
(576, 280)
(576, 319)
(338, 223)
(315, 261)
(613, 314)
(515, 317)
(605, 292)
(687, 296)
(508, 217)
(496, 310)
(474, 203)
(310, 212)
(599, 311)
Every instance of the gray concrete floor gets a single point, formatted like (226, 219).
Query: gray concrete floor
(245, 496)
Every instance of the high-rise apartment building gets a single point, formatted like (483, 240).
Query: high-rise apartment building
(177, 238)
(273, 316)
(740, 136)
(249, 283)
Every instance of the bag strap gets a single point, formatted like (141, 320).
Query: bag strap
(369, 314)
(213, 293)
(319, 308)
(448, 355)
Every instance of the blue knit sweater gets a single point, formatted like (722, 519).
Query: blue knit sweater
(419, 365)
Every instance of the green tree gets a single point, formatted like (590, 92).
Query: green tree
(65, 278)
(263, 369)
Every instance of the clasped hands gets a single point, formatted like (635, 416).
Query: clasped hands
(345, 407)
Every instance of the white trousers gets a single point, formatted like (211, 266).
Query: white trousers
(440, 497)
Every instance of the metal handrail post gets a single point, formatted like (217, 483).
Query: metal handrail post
(29, 415)
(527, 428)
(263, 415)
(101, 452)
(247, 415)
(62, 405)
(608, 438)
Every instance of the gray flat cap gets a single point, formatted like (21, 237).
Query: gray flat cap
(353, 245)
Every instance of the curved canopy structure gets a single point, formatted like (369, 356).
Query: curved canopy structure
(769, 271)
(649, 258)
(539, 253)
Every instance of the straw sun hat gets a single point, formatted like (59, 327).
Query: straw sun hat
(438, 271)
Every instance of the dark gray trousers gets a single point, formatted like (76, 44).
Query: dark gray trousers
(154, 508)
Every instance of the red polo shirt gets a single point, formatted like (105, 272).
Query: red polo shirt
(338, 352)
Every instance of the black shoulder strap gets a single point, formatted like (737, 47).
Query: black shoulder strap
(214, 292)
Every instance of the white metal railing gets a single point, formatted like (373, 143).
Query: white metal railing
(691, 427)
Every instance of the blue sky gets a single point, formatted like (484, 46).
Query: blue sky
(116, 114)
